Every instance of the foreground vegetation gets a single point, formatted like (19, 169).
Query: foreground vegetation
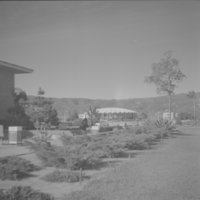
(15, 168)
(23, 193)
(79, 153)
(59, 176)
(89, 151)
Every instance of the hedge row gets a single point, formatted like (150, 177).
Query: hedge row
(86, 151)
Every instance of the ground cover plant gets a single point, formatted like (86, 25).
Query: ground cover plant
(14, 168)
(88, 151)
(64, 176)
(23, 193)
(83, 195)
(72, 155)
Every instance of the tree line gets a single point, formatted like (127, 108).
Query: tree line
(31, 113)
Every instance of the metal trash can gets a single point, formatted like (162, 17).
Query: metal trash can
(15, 135)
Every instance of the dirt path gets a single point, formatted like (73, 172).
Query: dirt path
(170, 172)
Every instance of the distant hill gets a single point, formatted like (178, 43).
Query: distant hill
(67, 106)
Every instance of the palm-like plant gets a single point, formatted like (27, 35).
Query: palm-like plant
(93, 115)
(193, 96)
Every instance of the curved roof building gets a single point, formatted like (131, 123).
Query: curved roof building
(116, 114)
(115, 110)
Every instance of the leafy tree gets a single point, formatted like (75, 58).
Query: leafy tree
(193, 96)
(84, 124)
(143, 115)
(73, 115)
(16, 114)
(19, 96)
(41, 110)
(166, 75)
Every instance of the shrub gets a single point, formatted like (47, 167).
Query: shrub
(72, 155)
(83, 195)
(23, 193)
(13, 168)
(63, 176)
(76, 122)
(27, 134)
(48, 154)
(78, 132)
(105, 129)
(86, 152)
(138, 142)
(167, 124)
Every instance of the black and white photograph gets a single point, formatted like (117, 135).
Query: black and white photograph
(100, 100)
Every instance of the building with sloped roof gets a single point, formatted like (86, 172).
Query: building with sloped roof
(7, 85)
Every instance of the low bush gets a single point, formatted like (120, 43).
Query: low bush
(86, 152)
(105, 129)
(27, 134)
(78, 132)
(48, 154)
(72, 155)
(23, 193)
(63, 176)
(138, 143)
(167, 124)
(13, 168)
(83, 195)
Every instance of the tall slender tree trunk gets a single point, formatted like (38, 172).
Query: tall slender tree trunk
(170, 106)
(194, 110)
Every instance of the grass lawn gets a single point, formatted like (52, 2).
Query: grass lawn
(59, 189)
(56, 189)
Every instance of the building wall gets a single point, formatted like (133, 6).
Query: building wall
(6, 88)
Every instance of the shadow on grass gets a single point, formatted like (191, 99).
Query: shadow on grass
(19, 176)
(180, 133)
(23, 176)
(83, 195)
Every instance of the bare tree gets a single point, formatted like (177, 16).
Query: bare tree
(166, 75)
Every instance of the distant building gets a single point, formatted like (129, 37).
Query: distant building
(166, 115)
(83, 116)
(7, 85)
(116, 114)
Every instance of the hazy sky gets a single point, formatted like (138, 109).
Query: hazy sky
(99, 49)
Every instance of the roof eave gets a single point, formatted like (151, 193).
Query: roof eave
(16, 69)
